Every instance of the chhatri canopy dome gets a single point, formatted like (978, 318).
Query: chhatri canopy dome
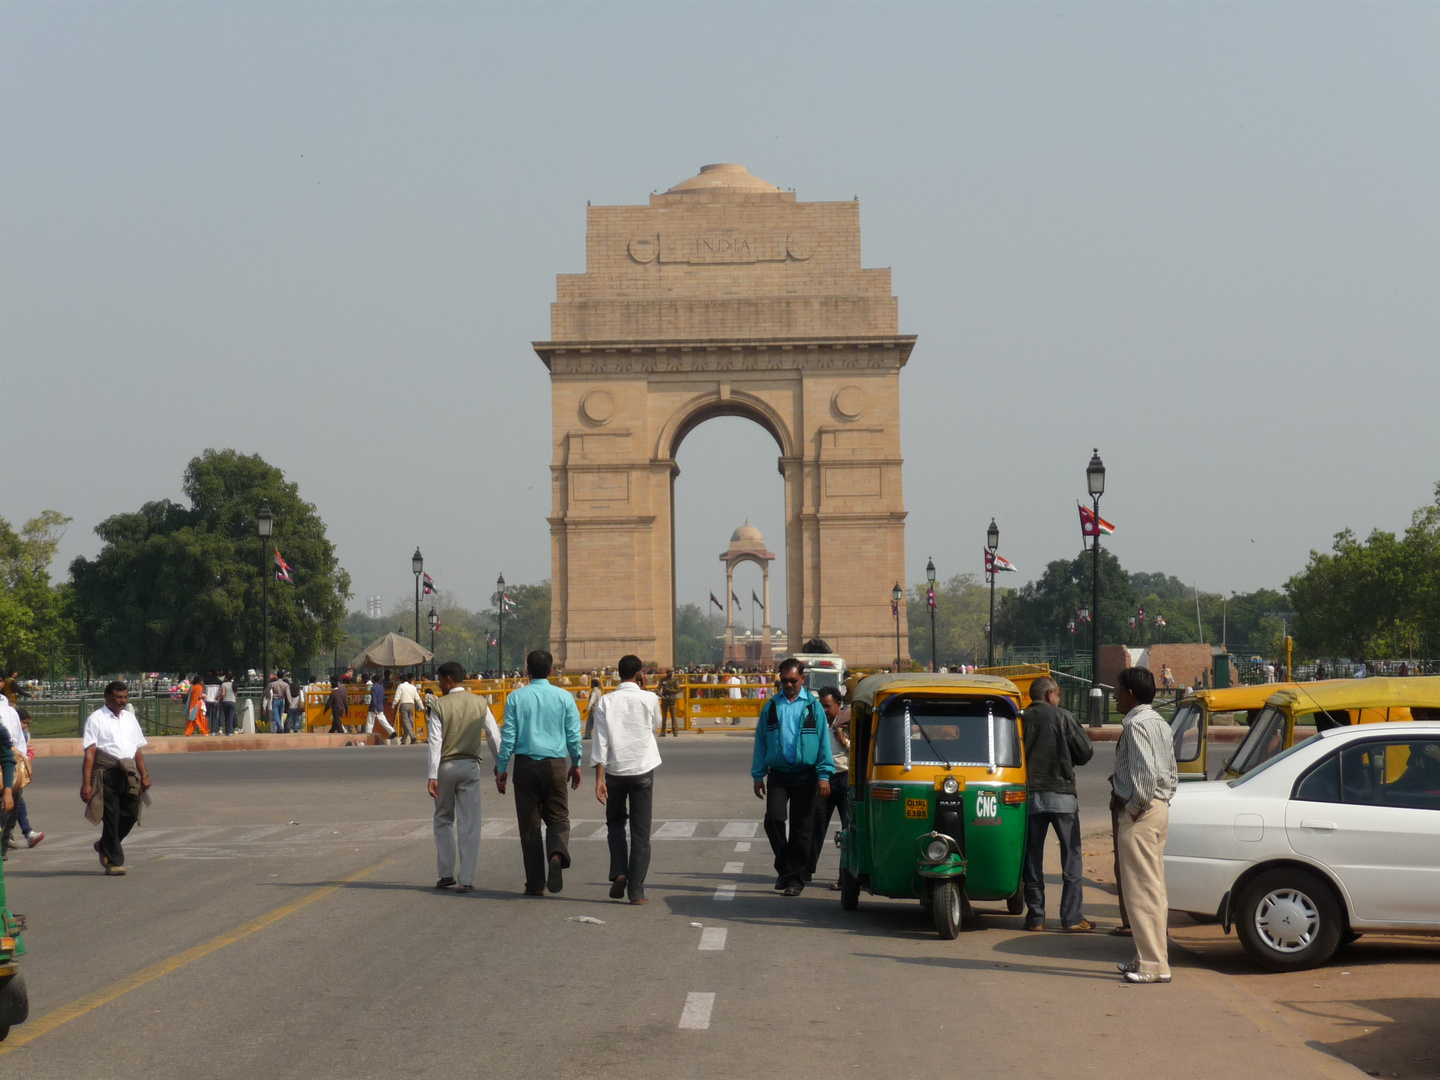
(746, 540)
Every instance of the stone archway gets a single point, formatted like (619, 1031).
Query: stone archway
(724, 296)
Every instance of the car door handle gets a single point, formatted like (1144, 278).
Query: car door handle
(1307, 823)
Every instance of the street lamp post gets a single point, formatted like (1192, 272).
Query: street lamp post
(930, 599)
(434, 618)
(500, 627)
(895, 596)
(417, 567)
(992, 544)
(1095, 481)
(264, 526)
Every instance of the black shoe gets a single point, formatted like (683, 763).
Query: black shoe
(617, 887)
(555, 882)
(534, 892)
(806, 877)
(445, 883)
(780, 882)
(792, 890)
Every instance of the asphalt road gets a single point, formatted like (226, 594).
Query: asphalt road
(279, 920)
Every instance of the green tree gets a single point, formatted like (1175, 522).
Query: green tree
(178, 588)
(1354, 601)
(1039, 612)
(962, 608)
(35, 616)
(699, 636)
(527, 624)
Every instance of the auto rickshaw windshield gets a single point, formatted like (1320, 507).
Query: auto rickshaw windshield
(947, 731)
(1265, 740)
(1185, 729)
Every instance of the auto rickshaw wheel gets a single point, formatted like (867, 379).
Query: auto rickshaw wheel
(1015, 902)
(849, 890)
(14, 1001)
(945, 909)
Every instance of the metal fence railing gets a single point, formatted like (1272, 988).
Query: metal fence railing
(159, 714)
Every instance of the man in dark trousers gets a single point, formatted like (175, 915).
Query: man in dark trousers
(792, 753)
(113, 777)
(839, 797)
(339, 702)
(1054, 744)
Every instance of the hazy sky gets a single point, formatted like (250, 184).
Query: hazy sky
(1201, 237)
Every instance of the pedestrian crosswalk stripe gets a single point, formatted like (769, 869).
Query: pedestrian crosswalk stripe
(675, 829)
(712, 938)
(734, 868)
(725, 892)
(739, 829)
(696, 1014)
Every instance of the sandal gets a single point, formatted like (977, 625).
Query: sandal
(1121, 931)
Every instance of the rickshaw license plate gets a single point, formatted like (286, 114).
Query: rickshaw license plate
(917, 808)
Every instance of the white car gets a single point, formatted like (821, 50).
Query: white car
(1336, 836)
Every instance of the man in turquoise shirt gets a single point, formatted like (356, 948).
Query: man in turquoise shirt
(542, 728)
(792, 752)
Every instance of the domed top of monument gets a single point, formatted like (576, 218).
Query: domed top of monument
(724, 176)
(748, 535)
(747, 543)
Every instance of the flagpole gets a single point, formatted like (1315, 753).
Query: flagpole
(992, 542)
(264, 523)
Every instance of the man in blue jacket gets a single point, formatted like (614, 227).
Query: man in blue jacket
(792, 752)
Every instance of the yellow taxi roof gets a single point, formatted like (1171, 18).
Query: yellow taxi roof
(1234, 698)
(1376, 693)
(889, 682)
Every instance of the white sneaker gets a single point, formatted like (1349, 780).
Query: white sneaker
(1145, 977)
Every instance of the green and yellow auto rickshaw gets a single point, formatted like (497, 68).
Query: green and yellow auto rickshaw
(937, 783)
(14, 1002)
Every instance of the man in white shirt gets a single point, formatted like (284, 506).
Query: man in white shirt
(10, 721)
(406, 698)
(625, 756)
(112, 745)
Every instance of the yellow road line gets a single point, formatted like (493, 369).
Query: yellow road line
(29, 1032)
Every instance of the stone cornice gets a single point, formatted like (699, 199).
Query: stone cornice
(856, 353)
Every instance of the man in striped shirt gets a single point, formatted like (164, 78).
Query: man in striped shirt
(1143, 784)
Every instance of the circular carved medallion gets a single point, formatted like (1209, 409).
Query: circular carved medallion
(643, 249)
(800, 246)
(597, 406)
(848, 402)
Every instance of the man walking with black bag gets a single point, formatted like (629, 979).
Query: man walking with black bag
(1054, 744)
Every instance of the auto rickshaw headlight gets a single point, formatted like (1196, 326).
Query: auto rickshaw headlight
(937, 850)
(950, 785)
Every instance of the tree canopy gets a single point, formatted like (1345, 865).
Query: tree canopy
(35, 616)
(178, 588)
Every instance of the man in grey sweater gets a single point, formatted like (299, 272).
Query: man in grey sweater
(456, 726)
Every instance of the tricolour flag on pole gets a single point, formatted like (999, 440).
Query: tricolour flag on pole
(429, 586)
(995, 564)
(1090, 525)
(506, 604)
(282, 569)
(736, 599)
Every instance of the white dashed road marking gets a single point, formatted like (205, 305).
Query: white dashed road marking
(725, 892)
(712, 939)
(744, 845)
(696, 1014)
(673, 829)
(734, 868)
(739, 829)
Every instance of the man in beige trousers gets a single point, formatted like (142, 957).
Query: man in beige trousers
(1144, 779)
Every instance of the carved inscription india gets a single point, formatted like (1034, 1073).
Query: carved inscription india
(700, 249)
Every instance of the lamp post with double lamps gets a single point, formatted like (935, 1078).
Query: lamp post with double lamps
(930, 599)
(896, 594)
(500, 627)
(1095, 481)
(264, 526)
(992, 545)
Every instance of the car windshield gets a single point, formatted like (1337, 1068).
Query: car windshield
(1246, 777)
(1265, 740)
(947, 730)
(1185, 728)
(815, 678)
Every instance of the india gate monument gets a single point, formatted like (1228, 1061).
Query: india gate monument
(725, 296)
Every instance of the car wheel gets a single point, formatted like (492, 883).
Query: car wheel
(945, 909)
(1288, 920)
(1015, 902)
(849, 890)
